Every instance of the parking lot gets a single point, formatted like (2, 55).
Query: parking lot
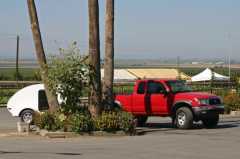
(158, 140)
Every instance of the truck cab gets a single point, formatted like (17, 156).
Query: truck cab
(171, 98)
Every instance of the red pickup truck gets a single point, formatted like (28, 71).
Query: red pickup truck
(171, 98)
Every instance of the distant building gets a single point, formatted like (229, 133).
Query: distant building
(121, 75)
(159, 73)
(195, 63)
(219, 63)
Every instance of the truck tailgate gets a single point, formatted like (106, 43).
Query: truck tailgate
(125, 101)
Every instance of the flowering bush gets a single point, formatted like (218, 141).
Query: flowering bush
(81, 121)
(69, 77)
(232, 102)
(48, 121)
(113, 121)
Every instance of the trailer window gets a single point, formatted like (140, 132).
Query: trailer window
(141, 88)
(42, 100)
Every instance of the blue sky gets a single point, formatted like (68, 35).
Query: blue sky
(144, 28)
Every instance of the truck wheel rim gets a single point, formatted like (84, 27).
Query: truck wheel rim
(27, 117)
(181, 118)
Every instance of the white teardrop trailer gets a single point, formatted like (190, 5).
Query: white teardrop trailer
(32, 99)
(27, 101)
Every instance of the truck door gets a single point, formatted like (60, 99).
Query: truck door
(139, 99)
(157, 97)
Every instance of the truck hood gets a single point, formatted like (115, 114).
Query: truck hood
(194, 95)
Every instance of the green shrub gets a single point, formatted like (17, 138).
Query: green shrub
(127, 122)
(59, 120)
(69, 77)
(108, 121)
(111, 121)
(232, 102)
(80, 122)
(49, 121)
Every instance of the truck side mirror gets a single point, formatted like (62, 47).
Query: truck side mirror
(166, 92)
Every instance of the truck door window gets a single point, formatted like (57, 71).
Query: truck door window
(141, 88)
(42, 100)
(155, 88)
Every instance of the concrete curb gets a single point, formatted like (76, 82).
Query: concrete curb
(226, 116)
(14, 134)
(45, 133)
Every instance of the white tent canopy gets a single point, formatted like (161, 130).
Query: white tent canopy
(121, 75)
(207, 74)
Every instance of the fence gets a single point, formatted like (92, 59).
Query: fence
(8, 88)
(218, 88)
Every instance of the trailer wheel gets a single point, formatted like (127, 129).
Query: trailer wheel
(27, 116)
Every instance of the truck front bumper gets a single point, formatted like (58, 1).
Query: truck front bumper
(203, 111)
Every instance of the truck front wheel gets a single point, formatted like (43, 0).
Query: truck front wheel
(184, 118)
(211, 122)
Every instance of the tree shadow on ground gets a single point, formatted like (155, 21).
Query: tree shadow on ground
(56, 153)
(167, 127)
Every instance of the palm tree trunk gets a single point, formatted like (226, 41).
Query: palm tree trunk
(109, 55)
(94, 55)
(52, 100)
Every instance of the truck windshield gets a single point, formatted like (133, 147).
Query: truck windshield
(179, 86)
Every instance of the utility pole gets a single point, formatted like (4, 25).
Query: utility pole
(178, 68)
(229, 58)
(212, 78)
(17, 58)
(229, 66)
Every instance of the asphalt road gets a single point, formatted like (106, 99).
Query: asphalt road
(159, 140)
(7, 123)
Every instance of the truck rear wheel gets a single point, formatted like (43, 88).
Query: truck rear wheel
(141, 120)
(184, 118)
(211, 122)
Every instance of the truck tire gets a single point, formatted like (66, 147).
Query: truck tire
(27, 116)
(141, 120)
(211, 122)
(184, 118)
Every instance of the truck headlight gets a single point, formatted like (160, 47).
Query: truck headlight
(204, 101)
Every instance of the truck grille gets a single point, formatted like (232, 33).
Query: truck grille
(214, 101)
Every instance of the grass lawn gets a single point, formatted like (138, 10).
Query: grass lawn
(5, 94)
(26, 73)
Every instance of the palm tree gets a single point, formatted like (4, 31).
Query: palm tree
(94, 56)
(109, 55)
(52, 100)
